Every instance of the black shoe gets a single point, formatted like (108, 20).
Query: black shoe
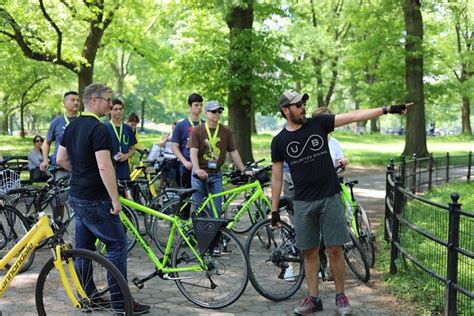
(95, 304)
(139, 309)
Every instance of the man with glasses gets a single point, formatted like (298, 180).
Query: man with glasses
(303, 144)
(123, 140)
(209, 144)
(85, 150)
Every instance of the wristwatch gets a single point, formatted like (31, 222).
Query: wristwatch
(384, 109)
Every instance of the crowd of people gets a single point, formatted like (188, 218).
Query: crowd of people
(303, 154)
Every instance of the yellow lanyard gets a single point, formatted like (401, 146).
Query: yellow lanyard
(215, 151)
(119, 137)
(67, 118)
(91, 114)
(192, 123)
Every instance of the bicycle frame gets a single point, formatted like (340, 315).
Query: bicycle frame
(257, 194)
(176, 226)
(350, 206)
(138, 172)
(25, 247)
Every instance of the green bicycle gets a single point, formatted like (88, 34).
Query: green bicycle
(245, 205)
(357, 217)
(207, 263)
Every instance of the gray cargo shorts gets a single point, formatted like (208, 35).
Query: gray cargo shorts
(321, 217)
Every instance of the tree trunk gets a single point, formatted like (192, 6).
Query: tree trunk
(85, 77)
(4, 125)
(142, 126)
(240, 21)
(466, 113)
(415, 139)
(22, 121)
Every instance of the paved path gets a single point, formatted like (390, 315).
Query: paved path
(367, 299)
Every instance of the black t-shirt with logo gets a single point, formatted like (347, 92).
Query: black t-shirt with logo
(83, 138)
(306, 151)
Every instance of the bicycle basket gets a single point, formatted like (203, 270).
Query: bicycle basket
(9, 180)
(207, 231)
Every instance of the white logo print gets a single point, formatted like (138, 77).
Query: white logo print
(294, 149)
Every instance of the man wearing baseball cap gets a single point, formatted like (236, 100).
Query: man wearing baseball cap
(209, 144)
(303, 144)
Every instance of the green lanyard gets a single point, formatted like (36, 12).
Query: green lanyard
(119, 137)
(91, 114)
(192, 123)
(215, 151)
(67, 118)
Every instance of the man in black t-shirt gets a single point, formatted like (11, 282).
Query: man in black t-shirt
(318, 209)
(85, 150)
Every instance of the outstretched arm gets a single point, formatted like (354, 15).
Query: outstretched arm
(368, 114)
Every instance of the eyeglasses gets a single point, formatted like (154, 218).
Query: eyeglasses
(299, 104)
(119, 109)
(38, 141)
(108, 100)
(216, 111)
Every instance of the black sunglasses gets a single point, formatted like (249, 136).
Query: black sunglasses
(38, 140)
(299, 104)
(216, 111)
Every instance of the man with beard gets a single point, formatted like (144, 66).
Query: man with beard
(303, 144)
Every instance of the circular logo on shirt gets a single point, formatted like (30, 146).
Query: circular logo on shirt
(296, 148)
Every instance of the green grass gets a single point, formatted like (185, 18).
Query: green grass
(361, 150)
(412, 284)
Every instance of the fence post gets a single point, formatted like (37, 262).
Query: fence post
(469, 168)
(413, 174)
(450, 304)
(447, 167)
(402, 169)
(430, 172)
(397, 210)
(390, 172)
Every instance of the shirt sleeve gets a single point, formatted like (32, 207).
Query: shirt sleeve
(194, 138)
(275, 152)
(176, 136)
(101, 139)
(34, 159)
(50, 137)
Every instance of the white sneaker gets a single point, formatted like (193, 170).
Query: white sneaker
(289, 275)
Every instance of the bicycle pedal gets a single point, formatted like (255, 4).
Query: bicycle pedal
(138, 283)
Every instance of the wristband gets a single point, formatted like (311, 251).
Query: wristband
(384, 109)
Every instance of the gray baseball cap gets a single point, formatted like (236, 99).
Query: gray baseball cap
(291, 97)
(212, 106)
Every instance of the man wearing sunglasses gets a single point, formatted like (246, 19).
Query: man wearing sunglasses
(209, 144)
(303, 144)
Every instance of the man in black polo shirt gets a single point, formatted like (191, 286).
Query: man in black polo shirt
(85, 150)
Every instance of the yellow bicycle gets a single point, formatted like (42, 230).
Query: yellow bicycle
(72, 281)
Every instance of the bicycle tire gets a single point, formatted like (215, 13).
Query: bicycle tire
(228, 271)
(49, 293)
(364, 233)
(270, 251)
(254, 214)
(356, 258)
(161, 228)
(13, 226)
(157, 203)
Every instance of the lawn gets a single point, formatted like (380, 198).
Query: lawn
(361, 150)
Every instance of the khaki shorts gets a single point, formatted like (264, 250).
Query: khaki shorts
(321, 217)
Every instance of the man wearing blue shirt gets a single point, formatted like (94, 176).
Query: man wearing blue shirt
(180, 138)
(123, 140)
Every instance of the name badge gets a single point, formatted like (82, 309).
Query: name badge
(212, 164)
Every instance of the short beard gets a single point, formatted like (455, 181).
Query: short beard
(297, 120)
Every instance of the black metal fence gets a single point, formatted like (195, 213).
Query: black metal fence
(435, 238)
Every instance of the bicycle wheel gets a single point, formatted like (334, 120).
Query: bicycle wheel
(106, 288)
(161, 228)
(227, 271)
(356, 258)
(157, 204)
(276, 266)
(364, 233)
(13, 226)
(255, 213)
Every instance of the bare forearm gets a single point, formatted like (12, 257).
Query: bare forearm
(45, 150)
(177, 153)
(357, 116)
(194, 158)
(107, 174)
(237, 160)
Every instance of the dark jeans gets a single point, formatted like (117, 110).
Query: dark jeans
(213, 185)
(94, 221)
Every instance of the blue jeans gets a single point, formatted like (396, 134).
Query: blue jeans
(213, 184)
(94, 221)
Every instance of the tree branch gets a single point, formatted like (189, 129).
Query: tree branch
(56, 28)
